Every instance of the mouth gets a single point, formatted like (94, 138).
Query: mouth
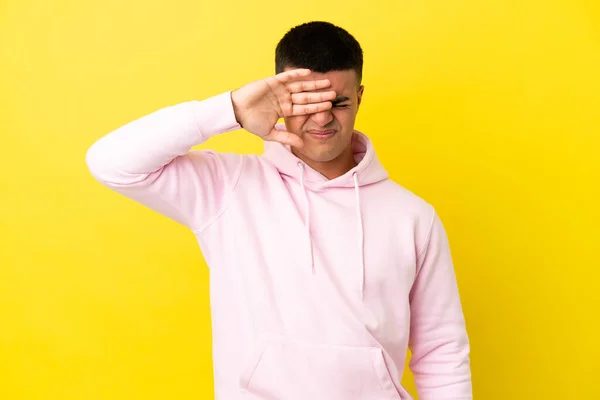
(321, 134)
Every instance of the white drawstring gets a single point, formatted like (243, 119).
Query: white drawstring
(361, 243)
(360, 228)
(307, 217)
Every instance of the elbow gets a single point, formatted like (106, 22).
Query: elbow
(440, 350)
(102, 165)
(96, 161)
(107, 167)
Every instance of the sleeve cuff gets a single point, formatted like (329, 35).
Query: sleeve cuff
(214, 115)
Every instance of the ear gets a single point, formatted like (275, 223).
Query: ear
(361, 89)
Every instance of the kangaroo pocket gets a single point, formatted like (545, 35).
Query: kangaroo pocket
(282, 369)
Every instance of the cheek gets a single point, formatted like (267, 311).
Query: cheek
(345, 118)
(294, 124)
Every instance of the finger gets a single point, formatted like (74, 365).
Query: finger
(284, 137)
(314, 97)
(302, 109)
(291, 75)
(308, 86)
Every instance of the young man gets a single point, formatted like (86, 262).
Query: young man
(323, 271)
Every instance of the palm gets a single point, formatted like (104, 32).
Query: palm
(259, 105)
(264, 107)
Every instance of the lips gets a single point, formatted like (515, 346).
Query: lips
(321, 134)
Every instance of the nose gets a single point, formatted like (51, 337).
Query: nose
(322, 118)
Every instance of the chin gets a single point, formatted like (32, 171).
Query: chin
(321, 156)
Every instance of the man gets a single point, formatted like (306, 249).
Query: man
(323, 271)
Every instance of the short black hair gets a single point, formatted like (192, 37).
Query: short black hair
(321, 47)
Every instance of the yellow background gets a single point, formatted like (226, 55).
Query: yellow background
(487, 109)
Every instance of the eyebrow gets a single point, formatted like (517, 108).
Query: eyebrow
(339, 99)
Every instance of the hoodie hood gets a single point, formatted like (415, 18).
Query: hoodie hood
(367, 171)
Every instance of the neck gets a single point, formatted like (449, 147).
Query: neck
(334, 168)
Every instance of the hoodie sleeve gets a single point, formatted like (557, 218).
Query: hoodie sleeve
(438, 339)
(150, 160)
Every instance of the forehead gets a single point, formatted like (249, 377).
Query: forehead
(343, 82)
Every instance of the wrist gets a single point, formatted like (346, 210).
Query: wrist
(236, 107)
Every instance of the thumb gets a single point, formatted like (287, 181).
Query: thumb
(284, 137)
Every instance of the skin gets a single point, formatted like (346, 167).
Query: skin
(332, 157)
(307, 101)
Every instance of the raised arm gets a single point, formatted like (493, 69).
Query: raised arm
(150, 160)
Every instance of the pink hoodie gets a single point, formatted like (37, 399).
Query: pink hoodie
(318, 286)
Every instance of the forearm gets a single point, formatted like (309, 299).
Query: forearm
(132, 152)
(441, 365)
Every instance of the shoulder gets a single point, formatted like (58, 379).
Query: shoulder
(409, 212)
(404, 200)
